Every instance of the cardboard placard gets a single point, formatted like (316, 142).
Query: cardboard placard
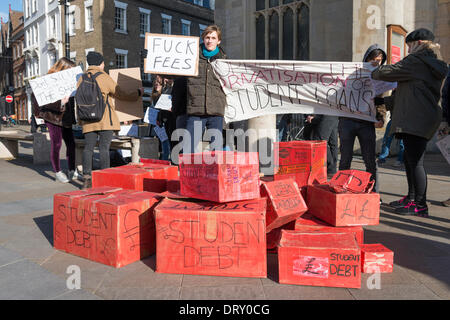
(56, 86)
(171, 54)
(128, 80)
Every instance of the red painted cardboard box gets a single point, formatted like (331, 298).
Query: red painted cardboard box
(220, 176)
(344, 209)
(132, 176)
(304, 161)
(357, 231)
(274, 236)
(205, 238)
(112, 226)
(376, 258)
(310, 220)
(319, 259)
(284, 202)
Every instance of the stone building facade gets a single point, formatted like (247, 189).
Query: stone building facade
(117, 28)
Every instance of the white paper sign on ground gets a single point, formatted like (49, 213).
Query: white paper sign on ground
(164, 102)
(56, 86)
(444, 147)
(256, 88)
(171, 54)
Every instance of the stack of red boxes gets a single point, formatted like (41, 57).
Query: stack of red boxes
(224, 235)
(217, 217)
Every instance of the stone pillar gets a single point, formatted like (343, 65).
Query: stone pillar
(262, 142)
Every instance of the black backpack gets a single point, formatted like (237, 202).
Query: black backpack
(90, 103)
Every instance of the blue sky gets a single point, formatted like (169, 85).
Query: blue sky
(4, 7)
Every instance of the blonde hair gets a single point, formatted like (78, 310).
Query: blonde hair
(426, 44)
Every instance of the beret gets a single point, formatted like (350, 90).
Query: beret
(420, 34)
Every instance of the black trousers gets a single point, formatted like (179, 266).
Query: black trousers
(416, 175)
(104, 138)
(326, 128)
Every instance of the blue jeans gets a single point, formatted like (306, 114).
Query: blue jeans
(206, 122)
(387, 140)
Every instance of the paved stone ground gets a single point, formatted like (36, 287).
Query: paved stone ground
(31, 269)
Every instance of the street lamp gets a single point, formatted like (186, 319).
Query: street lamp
(65, 4)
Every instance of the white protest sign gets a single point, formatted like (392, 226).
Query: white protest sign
(164, 102)
(262, 87)
(170, 54)
(55, 86)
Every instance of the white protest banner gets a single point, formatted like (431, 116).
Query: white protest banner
(170, 54)
(261, 87)
(55, 86)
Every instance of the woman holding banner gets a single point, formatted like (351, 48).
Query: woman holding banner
(416, 112)
(59, 118)
(349, 128)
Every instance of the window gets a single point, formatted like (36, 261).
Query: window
(144, 23)
(52, 27)
(185, 27)
(71, 17)
(35, 35)
(27, 8)
(199, 2)
(52, 58)
(120, 17)
(121, 58)
(73, 56)
(166, 24)
(202, 28)
(88, 16)
(34, 8)
(287, 23)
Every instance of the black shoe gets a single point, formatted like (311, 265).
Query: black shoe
(87, 184)
(400, 203)
(413, 209)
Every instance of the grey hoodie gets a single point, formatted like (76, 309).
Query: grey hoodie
(374, 47)
(415, 109)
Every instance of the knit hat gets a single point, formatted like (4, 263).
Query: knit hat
(420, 34)
(94, 58)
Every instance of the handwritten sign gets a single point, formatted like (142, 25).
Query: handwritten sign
(55, 86)
(170, 54)
(108, 225)
(207, 238)
(257, 88)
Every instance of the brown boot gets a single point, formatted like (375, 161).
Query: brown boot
(87, 184)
